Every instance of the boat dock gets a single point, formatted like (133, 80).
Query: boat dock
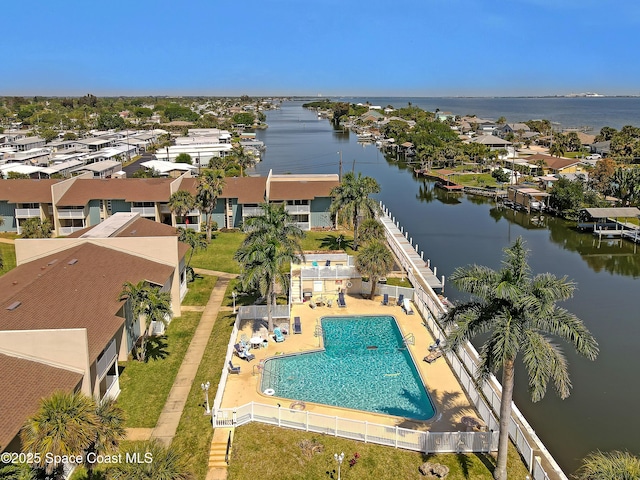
(410, 259)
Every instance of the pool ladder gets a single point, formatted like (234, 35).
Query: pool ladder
(409, 339)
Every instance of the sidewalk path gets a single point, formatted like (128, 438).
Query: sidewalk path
(169, 419)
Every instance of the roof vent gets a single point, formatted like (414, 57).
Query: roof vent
(14, 305)
(73, 261)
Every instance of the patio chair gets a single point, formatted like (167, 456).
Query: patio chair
(341, 301)
(277, 335)
(406, 306)
(433, 356)
(385, 299)
(284, 328)
(297, 326)
(400, 299)
(312, 304)
(233, 368)
(434, 346)
(327, 263)
(243, 352)
(330, 303)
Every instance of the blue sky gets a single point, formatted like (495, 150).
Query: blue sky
(328, 47)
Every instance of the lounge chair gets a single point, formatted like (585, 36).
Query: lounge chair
(277, 335)
(434, 346)
(400, 299)
(328, 263)
(297, 327)
(341, 301)
(406, 306)
(433, 356)
(243, 352)
(385, 299)
(233, 368)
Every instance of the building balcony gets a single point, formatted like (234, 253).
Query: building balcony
(69, 230)
(144, 211)
(298, 209)
(27, 212)
(106, 359)
(252, 211)
(72, 213)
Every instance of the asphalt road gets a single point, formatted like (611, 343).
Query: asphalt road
(131, 169)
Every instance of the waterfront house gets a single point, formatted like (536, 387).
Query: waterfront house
(556, 165)
(63, 326)
(513, 128)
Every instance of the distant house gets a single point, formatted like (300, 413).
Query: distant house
(444, 116)
(514, 128)
(603, 148)
(27, 143)
(490, 141)
(556, 165)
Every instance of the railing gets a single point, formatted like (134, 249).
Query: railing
(27, 212)
(392, 436)
(321, 258)
(226, 454)
(252, 211)
(71, 213)
(69, 230)
(259, 312)
(191, 226)
(144, 211)
(322, 272)
(106, 359)
(298, 209)
(486, 397)
(393, 291)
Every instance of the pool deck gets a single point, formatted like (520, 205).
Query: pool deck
(449, 398)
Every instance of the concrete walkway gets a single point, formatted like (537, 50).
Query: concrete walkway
(169, 419)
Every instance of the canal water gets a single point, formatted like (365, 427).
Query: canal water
(456, 230)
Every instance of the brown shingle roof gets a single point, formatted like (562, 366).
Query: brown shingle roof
(84, 294)
(128, 189)
(140, 227)
(24, 383)
(554, 163)
(245, 189)
(301, 189)
(26, 191)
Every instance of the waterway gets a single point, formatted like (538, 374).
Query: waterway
(456, 230)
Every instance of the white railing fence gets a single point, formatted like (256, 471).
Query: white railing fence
(259, 312)
(393, 291)
(393, 436)
(464, 363)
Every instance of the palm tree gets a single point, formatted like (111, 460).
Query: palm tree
(614, 465)
(195, 240)
(17, 471)
(374, 260)
(244, 158)
(272, 243)
(516, 310)
(110, 430)
(156, 462)
(181, 203)
(351, 201)
(371, 229)
(65, 424)
(36, 228)
(147, 302)
(210, 186)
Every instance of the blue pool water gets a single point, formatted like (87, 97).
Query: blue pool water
(364, 366)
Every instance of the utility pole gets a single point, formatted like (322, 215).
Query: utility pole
(340, 174)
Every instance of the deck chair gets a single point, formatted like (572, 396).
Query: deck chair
(433, 356)
(406, 306)
(297, 327)
(284, 328)
(436, 345)
(400, 299)
(233, 368)
(327, 263)
(341, 301)
(277, 335)
(385, 299)
(243, 352)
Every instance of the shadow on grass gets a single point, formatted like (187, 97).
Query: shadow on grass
(487, 460)
(157, 348)
(336, 242)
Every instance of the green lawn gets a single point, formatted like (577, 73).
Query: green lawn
(271, 453)
(328, 240)
(145, 386)
(8, 253)
(219, 255)
(194, 431)
(475, 180)
(399, 282)
(200, 290)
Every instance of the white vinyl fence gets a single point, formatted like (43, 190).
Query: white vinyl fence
(464, 364)
(392, 436)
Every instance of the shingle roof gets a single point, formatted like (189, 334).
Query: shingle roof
(24, 383)
(128, 189)
(57, 294)
(301, 189)
(554, 163)
(26, 190)
(245, 189)
(140, 227)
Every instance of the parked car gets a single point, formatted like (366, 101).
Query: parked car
(594, 156)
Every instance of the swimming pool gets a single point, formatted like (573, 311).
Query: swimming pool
(364, 366)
